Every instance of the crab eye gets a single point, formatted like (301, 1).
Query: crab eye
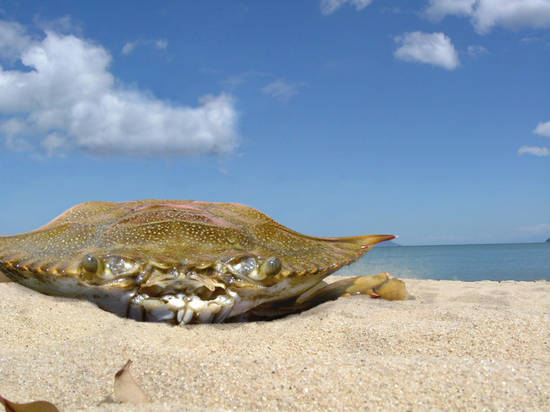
(90, 264)
(270, 267)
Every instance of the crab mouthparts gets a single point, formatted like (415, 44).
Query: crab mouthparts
(179, 293)
(181, 309)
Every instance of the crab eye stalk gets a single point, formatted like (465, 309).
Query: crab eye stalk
(90, 264)
(270, 267)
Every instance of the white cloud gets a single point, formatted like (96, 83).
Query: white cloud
(438, 9)
(330, 6)
(13, 40)
(54, 143)
(534, 150)
(485, 14)
(281, 90)
(391, 9)
(476, 50)
(129, 47)
(236, 80)
(543, 129)
(60, 25)
(69, 99)
(430, 48)
(13, 128)
(159, 44)
(535, 39)
(541, 228)
(511, 14)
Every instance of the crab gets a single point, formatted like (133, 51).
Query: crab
(185, 261)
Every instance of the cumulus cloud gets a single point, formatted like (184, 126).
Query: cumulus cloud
(543, 129)
(330, 6)
(534, 150)
(129, 47)
(281, 90)
(511, 14)
(13, 40)
(438, 9)
(430, 48)
(485, 14)
(67, 99)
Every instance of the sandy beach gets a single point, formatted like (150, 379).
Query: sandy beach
(455, 345)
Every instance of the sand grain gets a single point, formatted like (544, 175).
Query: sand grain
(457, 345)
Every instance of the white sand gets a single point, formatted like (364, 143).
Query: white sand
(457, 345)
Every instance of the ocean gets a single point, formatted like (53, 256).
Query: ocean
(522, 261)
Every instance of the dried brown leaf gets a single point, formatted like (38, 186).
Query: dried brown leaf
(126, 388)
(38, 406)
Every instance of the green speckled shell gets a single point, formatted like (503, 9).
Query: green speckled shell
(188, 231)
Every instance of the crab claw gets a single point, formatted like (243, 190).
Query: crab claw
(393, 289)
(382, 285)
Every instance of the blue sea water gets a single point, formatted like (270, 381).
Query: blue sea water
(523, 261)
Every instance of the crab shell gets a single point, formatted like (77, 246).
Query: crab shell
(181, 261)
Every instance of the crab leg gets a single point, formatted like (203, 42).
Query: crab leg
(382, 285)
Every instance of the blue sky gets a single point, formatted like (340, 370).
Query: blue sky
(426, 119)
